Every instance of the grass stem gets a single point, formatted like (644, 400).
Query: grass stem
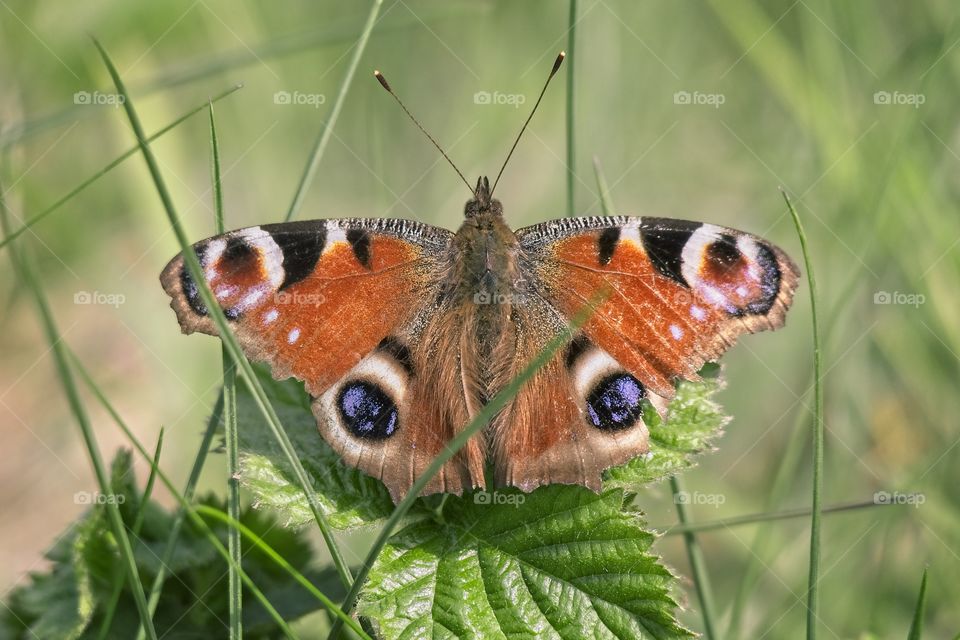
(817, 499)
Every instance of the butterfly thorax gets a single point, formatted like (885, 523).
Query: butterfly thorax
(483, 278)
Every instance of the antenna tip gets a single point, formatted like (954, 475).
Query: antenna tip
(558, 62)
(381, 80)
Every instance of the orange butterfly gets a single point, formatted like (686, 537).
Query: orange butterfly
(401, 331)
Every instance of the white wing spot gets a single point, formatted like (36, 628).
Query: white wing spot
(698, 313)
(225, 291)
(676, 332)
(270, 316)
(294, 335)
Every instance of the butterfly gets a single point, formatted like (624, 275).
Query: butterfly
(402, 331)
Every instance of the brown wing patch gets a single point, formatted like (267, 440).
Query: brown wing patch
(300, 297)
(678, 293)
(424, 383)
(578, 415)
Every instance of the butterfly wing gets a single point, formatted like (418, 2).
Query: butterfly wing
(674, 295)
(340, 305)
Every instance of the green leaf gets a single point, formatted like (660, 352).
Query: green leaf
(348, 497)
(69, 601)
(693, 421)
(561, 562)
(57, 605)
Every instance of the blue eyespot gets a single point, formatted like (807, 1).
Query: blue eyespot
(616, 402)
(367, 411)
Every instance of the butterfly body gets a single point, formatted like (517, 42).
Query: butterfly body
(402, 331)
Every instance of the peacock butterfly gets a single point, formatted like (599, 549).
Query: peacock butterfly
(401, 330)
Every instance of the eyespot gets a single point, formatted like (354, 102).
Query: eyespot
(616, 402)
(366, 411)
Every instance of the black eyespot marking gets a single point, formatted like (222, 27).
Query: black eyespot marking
(616, 403)
(367, 411)
(576, 348)
(769, 280)
(302, 245)
(724, 251)
(664, 241)
(607, 244)
(399, 351)
(359, 241)
(236, 252)
(233, 313)
(189, 287)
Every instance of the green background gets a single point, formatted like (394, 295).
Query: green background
(874, 182)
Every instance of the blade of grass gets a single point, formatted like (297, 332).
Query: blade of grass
(326, 129)
(186, 509)
(111, 608)
(26, 272)
(571, 142)
(817, 498)
(258, 542)
(916, 627)
(110, 166)
(483, 417)
(229, 418)
(226, 334)
(698, 566)
(766, 516)
(606, 204)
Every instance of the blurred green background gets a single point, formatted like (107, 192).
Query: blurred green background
(698, 109)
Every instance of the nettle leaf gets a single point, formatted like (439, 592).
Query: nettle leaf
(692, 422)
(561, 562)
(69, 600)
(348, 497)
(57, 605)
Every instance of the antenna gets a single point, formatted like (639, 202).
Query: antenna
(553, 72)
(383, 82)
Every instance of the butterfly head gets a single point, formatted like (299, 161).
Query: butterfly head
(482, 201)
